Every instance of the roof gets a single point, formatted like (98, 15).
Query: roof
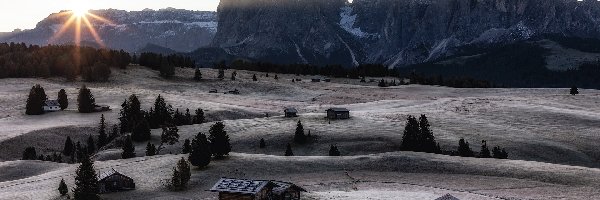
(51, 103)
(291, 110)
(109, 173)
(280, 187)
(447, 197)
(241, 186)
(338, 110)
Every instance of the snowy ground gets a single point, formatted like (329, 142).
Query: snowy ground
(537, 127)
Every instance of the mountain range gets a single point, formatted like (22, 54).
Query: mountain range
(394, 32)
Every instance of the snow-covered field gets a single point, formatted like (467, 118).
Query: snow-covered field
(552, 138)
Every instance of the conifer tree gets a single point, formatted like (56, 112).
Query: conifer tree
(169, 136)
(188, 117)
(197, 75)
(333, 151)
(426, 140)
(200, 155)
(102, 136)
(485, 151)
(574, 91)
(86, 181)
(63, 100)
(233, 75)
(299, 136)
(91, 145)
(199, 117)
(150, 149)
(219, 140)
(463, 149)
(30, 154)
(141, 132)
(35, 101)
(187, 147)
(181, 175)
(276, 77)
(62, 188)
(163, 112)
(288, 150)
(499, 153)
(69, 147)
(411, 135)
(128, 148)
(221, 74)
(254, 78)
(262, 144)
(85, 100)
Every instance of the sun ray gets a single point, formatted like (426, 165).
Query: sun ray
(100, 19)
(62, 30)
(93, 32)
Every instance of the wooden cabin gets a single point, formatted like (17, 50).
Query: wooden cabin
(290, 112)
(243, 189)
(113, 181)
(447, 197)
(338, 113)
(51, 106)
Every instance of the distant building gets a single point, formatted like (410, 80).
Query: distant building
(51, 106)
(101, 108)
(290, 112)
(113, 181)
(236, 91)
(327, 80)
(338, 113)
(242, 189)
(447, 197)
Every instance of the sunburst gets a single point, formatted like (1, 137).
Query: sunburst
(80, 16)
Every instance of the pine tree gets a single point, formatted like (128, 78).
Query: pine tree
(187, 120)
(199, 117)
(197, 75)
(262, 144)
(162, 112)
(382, 83)
(201, 153)
(254, 78)
(219, 140)
(485, 151)
(35, 101)
(30, 154)
(499, 153)
(85, 100)
(574, 91)
(62, 188)
(91, 145)
(141, 132)
(181, 175)
(128, 149)
(63, 100)
(411, 134)
(288, 150)
(150, 149)
(299, 136)
(169, 136)
(333, 151)
(276, 77)
(187, 147)
(463, 148)
(68, 149)
(233, 75)
(102, 136)
(221, 74)
(426, 140)
(86, 181)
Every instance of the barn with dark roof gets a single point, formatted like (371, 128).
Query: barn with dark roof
(113, 181)
(243, 189)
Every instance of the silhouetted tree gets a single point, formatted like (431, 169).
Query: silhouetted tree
(169, 136)
(35, 101)
(233, 75)
(299, 136)
(201, 153)
(485, 151)
(262, 143)
(426, 139)
(199, 117)
(128, 148)
(150, 149)
(63, 100)
(197, 75)
(85, 100)
(463, 148)
(69, 146)
(86, 181)
(254, 78)
(62, 188)
(288, 150)
(499, 153)
(91, 145)
(334, 151)
(181, 175)
(30, 154)
(141, 132)
(411, 135)
(187, 147)
(219, 140)
(574, 91)
(102, 136)
(221, 74)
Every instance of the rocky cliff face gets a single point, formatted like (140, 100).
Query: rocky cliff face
(180, 30)
(395, 32)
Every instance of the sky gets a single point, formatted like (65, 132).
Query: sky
(25, 14)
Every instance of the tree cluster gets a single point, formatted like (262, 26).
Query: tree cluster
(35, 101)
(18, 60)
(418, 136)
(181, 176)
(165, 64)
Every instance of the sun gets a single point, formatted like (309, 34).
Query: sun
(79, 9)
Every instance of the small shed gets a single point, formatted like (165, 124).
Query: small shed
(243, 189)
(113, 181)
(101, 108)
(338, 113)
(51, 106)
(290, 112)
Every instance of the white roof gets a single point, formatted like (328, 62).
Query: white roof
(51, 103)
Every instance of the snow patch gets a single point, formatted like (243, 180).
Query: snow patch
(347, 23)
(354, 62)
(300, 53)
